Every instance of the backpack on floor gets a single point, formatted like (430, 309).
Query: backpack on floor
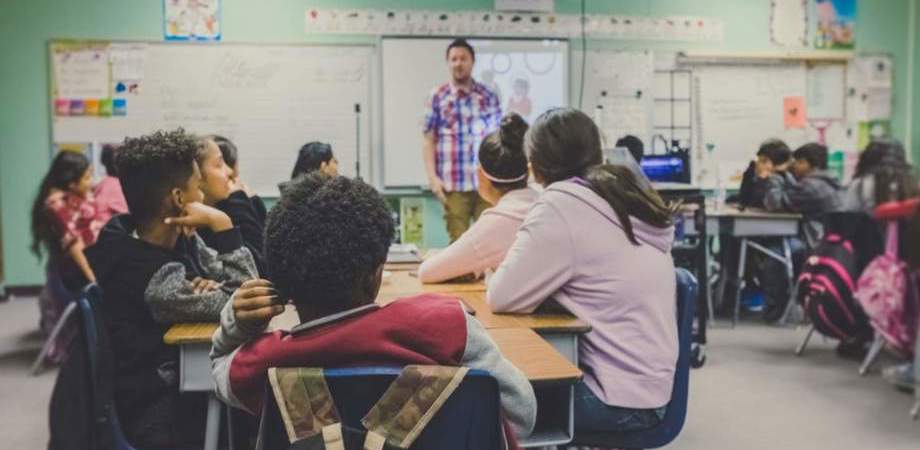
(882, 290)
(825, 290)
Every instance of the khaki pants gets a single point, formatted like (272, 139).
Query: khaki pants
(460, 209)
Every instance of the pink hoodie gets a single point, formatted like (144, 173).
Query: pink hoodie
(572, 249)
(484, 245)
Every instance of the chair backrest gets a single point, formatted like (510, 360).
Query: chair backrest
(470, 419)
(89, 301)
(673, 421)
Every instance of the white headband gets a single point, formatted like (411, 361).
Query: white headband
(504, 180)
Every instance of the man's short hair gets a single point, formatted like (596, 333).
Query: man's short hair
(461, 43)
(150, 166)
(775, 150)
(324, 239)
(814, 153)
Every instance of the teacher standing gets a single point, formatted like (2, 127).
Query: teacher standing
(459, 115)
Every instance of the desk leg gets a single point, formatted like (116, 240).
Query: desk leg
(742, 262)
(790, 274)
(213, 425)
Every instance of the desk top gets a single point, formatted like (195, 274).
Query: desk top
(539, 361)
(401, 283)
(733, 211)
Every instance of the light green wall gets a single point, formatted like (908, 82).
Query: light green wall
(915, 37)
(27, 25)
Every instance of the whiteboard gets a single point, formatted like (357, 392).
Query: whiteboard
(413, 67)
(268, 99)
(738, 107)
(621, 83)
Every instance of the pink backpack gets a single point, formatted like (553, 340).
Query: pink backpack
(882, 290)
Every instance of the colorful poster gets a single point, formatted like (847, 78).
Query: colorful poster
(794, 112)
(836, 28)
(191, 20)
(875, 129)
(81, 71)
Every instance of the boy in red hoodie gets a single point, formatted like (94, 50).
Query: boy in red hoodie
(326, 243)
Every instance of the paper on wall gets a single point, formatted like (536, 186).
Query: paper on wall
(789, 23)
(127, 61)
(826, 90)
(81, 73)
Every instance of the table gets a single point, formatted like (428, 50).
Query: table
(543, 346)
(748, 223)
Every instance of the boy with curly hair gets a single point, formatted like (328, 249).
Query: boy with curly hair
(325, 247)
(155, 271)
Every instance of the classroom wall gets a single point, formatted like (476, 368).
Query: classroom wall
(914, 38)
(27, 25)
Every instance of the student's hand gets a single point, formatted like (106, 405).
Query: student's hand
(197, 215)
(256, 302)
(204, 285)
(437, 188)
(237, 184)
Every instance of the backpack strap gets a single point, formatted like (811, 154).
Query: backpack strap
(306, 406)
(411, 401)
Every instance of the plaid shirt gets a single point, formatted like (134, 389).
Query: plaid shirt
(460, 120)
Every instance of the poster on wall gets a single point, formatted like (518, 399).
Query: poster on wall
(836, 28)
(191, 20)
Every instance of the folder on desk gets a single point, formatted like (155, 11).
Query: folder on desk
(404, 253)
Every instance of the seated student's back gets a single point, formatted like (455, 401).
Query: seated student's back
(599, 244)
(503, 177)
(326, 243)
(882, 174)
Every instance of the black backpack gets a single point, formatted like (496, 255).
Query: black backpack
(828, 278)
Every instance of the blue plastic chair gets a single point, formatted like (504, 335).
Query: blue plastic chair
(89, 299)
(666, 431)
(469, 420)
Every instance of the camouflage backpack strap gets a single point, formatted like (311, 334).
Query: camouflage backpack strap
(410, 402)
(306, 406)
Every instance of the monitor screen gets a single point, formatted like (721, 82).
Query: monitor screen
(664, 168)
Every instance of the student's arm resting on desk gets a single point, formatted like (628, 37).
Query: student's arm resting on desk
(517, 396)
(173, 298)
(539, 263)
(466, 255)
(778, 193)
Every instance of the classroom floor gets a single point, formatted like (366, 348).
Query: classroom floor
(752, 394)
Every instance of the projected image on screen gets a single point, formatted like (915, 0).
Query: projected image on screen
(527, 82)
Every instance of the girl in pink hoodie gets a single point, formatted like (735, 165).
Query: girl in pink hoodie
(503, 183)
(598, 243)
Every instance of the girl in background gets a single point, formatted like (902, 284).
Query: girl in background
(64, 222)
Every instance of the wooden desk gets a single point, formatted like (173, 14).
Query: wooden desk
(401, 284)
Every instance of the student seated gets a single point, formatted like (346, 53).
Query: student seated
(598, 244)
(882, 174)
(809, 190)
(502, 176)
(315, 156)
(312, 157)
(110, 201)
(773, 157)
(634, 145)
(155, 272)
(223, 190)
(326, 242)
(232, 158)
(65, 221)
